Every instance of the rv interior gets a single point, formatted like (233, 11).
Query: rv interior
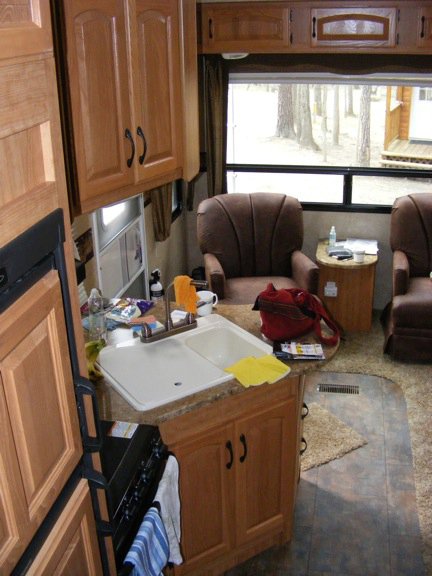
(194, 160)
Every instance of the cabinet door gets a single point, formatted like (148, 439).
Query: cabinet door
(100, 97)
(41, 443)
(31, 168)
(424, 36)
(71, 547)
(158, 107)
(25, 27)
(354, 27)
(265, 448)
(257, 27)
(206, 472)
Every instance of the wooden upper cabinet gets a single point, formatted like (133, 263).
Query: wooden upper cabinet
(25, 27)
(157, 87)
(126, 97)
(354, 27)
(424, 29)
(238, 27)
(41, 444)
(302, 26)
(100, 97)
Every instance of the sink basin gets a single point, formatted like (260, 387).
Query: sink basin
(224, 345)
(154, 374)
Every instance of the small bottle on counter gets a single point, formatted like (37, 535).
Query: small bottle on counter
(156, 288)
(96, 316)
(332, 236)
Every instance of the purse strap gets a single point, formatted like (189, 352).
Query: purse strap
(292, 311)
(321, 314)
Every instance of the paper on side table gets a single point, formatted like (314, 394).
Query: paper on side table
(369, 246)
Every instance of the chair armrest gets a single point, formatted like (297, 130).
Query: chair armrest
(401, 272)
(215, 275)
(305, 273)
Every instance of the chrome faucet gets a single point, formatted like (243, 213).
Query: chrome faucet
(188, 323)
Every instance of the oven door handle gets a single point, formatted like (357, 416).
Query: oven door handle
(84, 387)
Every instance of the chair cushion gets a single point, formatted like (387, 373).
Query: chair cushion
(251, 234)
(413, 310)
(245, 290)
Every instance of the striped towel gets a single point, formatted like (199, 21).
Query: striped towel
(150, 549)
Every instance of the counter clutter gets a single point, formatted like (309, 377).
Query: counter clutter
(112, 406)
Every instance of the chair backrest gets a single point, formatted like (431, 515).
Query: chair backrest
(251, 234)
(411, 231)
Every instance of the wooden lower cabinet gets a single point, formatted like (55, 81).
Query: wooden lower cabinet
(71, 548)
(238, 461)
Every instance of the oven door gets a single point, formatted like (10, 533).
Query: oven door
(133, 459)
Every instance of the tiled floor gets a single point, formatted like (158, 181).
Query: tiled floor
(356, 515)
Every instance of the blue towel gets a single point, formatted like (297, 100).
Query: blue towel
(150, 550)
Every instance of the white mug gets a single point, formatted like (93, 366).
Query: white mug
(210, 299)
(359, 256)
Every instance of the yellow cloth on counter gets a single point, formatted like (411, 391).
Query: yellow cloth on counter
(252, 371)
(185, 293)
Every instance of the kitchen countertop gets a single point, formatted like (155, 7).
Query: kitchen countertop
(112, 406)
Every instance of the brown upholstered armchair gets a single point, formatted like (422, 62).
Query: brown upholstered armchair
(249, 240)
(409, 316)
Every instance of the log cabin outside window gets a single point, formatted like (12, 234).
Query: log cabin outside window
(334, 142)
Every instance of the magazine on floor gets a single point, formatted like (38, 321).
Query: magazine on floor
(298, 351)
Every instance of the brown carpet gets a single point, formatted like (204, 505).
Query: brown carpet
(362, 353)
(327, 437)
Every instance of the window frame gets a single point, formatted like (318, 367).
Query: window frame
(348, 172)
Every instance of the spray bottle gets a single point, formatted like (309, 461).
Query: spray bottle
(156, 288)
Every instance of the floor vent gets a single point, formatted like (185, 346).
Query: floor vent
(339, 388)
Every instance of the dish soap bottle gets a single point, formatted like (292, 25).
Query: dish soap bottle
(96, 316)
(332, 236)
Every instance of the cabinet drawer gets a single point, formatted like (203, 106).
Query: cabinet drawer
(424, 35)
(259, 27)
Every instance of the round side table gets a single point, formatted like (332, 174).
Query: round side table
(346, 288)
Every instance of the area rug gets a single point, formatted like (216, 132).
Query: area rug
(362, 353)
(327, 437)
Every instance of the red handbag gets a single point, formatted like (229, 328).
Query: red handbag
(291, 312)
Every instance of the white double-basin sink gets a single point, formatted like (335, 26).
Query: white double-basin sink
(149, 375)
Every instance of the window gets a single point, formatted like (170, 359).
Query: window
(335, 140)
(120, 248)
